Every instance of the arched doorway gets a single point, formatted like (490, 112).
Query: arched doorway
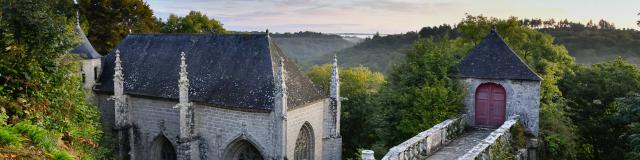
(304, 143)
(162, 149)
(490, 105)
(242, 150)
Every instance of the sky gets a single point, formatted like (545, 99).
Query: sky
(389, 16)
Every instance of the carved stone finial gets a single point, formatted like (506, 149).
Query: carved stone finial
(118, 76)
(281, 75)
(335, 79)
(183, 81)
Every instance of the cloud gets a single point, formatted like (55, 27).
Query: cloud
(386, 16)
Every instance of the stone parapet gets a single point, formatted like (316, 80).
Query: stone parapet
(497, 145)
(428, 142)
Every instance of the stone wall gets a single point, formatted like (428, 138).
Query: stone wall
(90, 70)
(216, 127)
(428, 142)
(498, 145)
(219, 127)
(297, 117)
(523, 99)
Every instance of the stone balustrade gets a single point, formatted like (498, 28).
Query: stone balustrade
(496, 145)
(428, 142)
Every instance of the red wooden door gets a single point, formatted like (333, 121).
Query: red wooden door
(490, 105)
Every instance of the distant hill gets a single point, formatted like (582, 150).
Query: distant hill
(591, 45)
(587, 43)
(378, 53)
(304, 46)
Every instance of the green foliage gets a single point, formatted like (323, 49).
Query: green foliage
(627, 117)
(438, 32)
(518, 137)
(38, 136)
(633, 137)
(40, 82)
(358, 87)
(61, 155)
(111, 20)
(420, 92)
(9, 137)
(501, 151)
(592, 91)
(26, 133)
(194, 22)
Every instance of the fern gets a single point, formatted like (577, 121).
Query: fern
(61, 155)
(10, 138)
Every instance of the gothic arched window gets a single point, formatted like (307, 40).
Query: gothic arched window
(304, 143)
(162, 149)
(242, 150)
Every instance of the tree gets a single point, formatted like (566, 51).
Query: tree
(591, 25)
(40, 88)
(420, 93)
(549, 23)
(110, 21)
(194, 22)
(604, 25)
(591, 91)
(437, 32)
(359, 87)
(627, 117)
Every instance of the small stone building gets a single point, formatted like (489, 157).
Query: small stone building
(90, 58)
(499, 84)
(207, 96)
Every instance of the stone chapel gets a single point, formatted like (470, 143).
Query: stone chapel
(499, 84)
(211, 96)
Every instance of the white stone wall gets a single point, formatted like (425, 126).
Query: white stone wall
(313, 113)
(91, 69)
(218, 127)
(523, 99)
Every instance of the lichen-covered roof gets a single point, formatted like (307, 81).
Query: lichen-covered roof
(493, 59)
(233, 70)
(85, 49)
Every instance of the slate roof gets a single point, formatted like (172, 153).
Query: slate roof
(85, 49)
(493, 59)
(236, 71)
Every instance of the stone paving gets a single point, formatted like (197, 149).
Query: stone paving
(461, 145)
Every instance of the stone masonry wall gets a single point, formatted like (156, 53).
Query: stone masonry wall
(523, 99)
(217, 127)
(496, 146)
(90, 68)
(427, 142)
(297, 117)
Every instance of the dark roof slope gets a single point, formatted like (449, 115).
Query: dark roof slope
(234, 71)
(493, 59)
(85, 49)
